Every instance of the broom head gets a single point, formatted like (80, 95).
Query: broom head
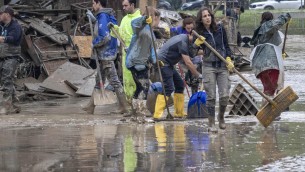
(272, 110)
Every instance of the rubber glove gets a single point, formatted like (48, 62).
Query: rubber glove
(111, 25)
(200, 77)
(288, 18)
(148, 20)
(115, 27)
(89, 14)
(284, 56)
(199, 41)
(230, 64)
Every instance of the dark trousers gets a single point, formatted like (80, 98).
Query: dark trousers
(172, 80)
(142, 83)
(7, 73)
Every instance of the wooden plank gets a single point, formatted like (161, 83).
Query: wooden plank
(53, 65)
(33, 87)
(67, 71)
(75, 85)
(87, 88)
(83, 44)
(45, 94)
(48, 31)
(21, 81)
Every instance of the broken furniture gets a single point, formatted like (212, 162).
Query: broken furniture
(242, 102)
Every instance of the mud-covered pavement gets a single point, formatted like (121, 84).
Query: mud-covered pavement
(57, 136)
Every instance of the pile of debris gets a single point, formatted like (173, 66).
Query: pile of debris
(56, 51)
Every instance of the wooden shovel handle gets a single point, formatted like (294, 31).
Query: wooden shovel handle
(234, 70)
(285, 37)
(118, 36)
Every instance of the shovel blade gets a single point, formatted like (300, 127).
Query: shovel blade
(104, 97)
(270, 111)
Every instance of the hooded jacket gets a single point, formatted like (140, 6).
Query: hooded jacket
(104, 44)
(125, 29)
(13, 34)
(218, 40)
(267, 40)
(140, 51)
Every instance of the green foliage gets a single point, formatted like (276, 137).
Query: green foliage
(250, 19)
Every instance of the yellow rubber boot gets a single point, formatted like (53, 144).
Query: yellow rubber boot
(160, 106)
(179, 105)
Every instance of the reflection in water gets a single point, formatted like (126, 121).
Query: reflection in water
(160, 147)
(268, 147)
(161, 137)
(130, 157)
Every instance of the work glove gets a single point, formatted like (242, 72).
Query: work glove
(148, 20)
(230, 64)
(111, 25)
(89, 14)
(200, 78)
(115, 27)
(199, 41)
(161, 64)
(284, 55)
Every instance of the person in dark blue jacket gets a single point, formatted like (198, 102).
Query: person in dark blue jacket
(10, 38)
(215, 72)
(105, 49)
(186, 28)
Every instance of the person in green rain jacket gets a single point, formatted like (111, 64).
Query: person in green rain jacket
(126, 32)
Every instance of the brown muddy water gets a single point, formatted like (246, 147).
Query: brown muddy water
(57, 136)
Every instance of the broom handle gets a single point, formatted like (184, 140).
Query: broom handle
(182, 75)
(159, 68)
(101, 84)
(235, 71)
(118, 36)
(202, 86)
(285, 37)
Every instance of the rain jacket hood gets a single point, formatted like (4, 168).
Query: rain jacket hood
(105, 46)
(125, 29)
(140, 51)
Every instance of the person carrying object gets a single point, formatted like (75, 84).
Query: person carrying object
(105, 49)
(177, 48)
(267, 58)
(125, 31)
(141, 56)
(215, 72)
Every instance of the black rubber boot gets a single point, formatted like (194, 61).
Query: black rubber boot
(220, 117)
(123, 105)
(211, 119)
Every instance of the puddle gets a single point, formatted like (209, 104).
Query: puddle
(58, 136)
(181, 146)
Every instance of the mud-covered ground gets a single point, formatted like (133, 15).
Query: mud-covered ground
(56, 135)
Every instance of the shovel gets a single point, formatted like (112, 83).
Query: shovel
(274, 107)
(101, 96)
(168, 116)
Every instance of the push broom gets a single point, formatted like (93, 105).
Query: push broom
(275, 106)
